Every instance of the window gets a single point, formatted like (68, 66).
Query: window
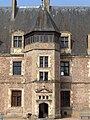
(39, 97)
(43, 76)
(65, 98)
(16, 98)
(43, 97)
(46, 97)
(65, 68)
(17, 68)
(43, 61)
(17, 41)
(64, 42)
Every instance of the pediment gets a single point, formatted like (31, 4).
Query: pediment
(43, 91)
(18, 33)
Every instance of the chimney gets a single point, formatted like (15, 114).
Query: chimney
(14, 7)
(47, 4)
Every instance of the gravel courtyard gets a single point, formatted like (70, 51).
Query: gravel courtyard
(57, 119)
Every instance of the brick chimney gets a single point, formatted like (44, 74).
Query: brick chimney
(14, 6)
(47, 4)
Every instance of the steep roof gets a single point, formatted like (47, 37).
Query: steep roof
(76, 20)
(5, 26)
(44, 22)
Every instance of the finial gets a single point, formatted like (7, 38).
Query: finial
(42, 3)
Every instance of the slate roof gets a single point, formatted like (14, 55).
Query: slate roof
(76, 20)
(5, 27)
(44, 22)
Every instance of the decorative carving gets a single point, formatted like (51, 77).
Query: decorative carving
(43, 90)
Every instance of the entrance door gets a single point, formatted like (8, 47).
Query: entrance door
(43, 110)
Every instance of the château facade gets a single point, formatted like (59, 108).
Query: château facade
(44, 61)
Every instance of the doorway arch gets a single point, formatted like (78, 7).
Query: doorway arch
(43, 110)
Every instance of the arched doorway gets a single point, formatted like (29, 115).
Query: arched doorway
(43, 110)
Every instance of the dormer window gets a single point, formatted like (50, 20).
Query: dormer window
(17, 42)
(65, 42)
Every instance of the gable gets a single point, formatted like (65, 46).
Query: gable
(44, 90)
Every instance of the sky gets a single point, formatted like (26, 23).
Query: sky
(52, 2)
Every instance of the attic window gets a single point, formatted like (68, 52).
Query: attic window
(17, 42)
(65, 42)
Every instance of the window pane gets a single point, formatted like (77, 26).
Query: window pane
(17, 41)
(43, 61)
(64, 42)
(46, 76)
(16, 68)
(37, 38)
(46, 61)
(16, 98)
(65, 68)
(19, 101)
(62, 64)
(19, 37)
(66, 72)
(39, 97)
(46, 97)
(66, 64)
(43, 97)
(41, 75)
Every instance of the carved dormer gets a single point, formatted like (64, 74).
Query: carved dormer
(17, 42)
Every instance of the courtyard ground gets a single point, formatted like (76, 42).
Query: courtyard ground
(57, 119)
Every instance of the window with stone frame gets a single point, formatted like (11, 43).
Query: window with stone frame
(43, 61)
(65, 98)
(17, 67)
(17, 42)
(64, 42)
(16, 97)
(43, 76)
(64, 69)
